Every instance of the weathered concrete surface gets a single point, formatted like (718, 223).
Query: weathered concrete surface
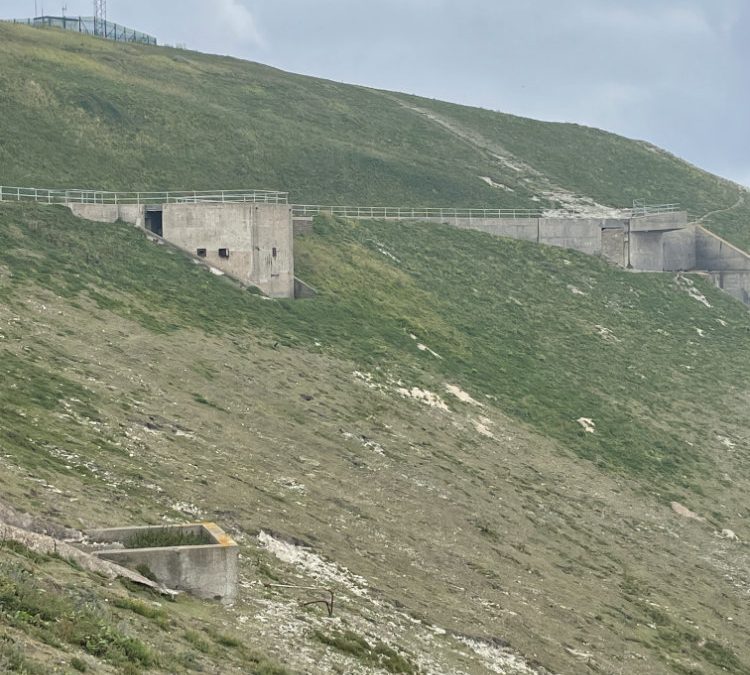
(679, 250)
(613, 245)
(258, 240)
(303, 225)
(303, 291)
(735, 283)
(110, 213)
(713, 254)
(580, 234)
(42, 543)
(526, 229)
(208, 571)
(656, 222)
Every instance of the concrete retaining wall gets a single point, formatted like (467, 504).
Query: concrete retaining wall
(302, 226)
(257, 238)
(735, 283)
(714, 254)
(672, 220)
(678, 250)
(110, 213)
(207, 571)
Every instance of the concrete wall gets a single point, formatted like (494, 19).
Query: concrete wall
(110, 213)
(736, 283)
(613, 245)
(210, 571)
(580, 234)
(713, 253)
(678, 249)
(302, 226)
(672, 220)
(259, 238)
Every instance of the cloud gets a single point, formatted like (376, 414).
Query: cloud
(239, 23)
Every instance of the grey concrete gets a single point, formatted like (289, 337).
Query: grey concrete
(581, 234)
(679, 250)
(672, 220)
(712, 253)
(208, 571)
(613, 245)
(303, 291)
(526, 229)
(303, 225)
(735, 283)
(258, 238)
(646, 252)
(110, 213)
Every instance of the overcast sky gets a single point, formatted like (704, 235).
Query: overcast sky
(673, 72)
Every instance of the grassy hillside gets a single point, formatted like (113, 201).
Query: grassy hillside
(485, 530)
(81, 112)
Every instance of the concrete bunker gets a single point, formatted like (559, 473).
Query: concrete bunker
(199, 558)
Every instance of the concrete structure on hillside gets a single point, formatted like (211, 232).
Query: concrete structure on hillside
(207, 570)
(655, 242)
(725, 264)
(250, 235)
(251, 242)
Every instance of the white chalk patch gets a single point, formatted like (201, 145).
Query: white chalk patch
(482, 425)
(425, 348)
(575, 290)
(689, 287)
(722, 322)
(685, 512)
(189, 509)
(461, 395)
(366, 442)
(726, 442)
(606, 333)
(424, 396)
(499, 659)
(729, 534)
(589, 426)
(495, 184)
(217, 272)
(367, 379)
(700, 331)
(313, 565)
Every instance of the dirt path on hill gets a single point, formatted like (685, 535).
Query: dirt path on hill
(535, 180)
(734, 206)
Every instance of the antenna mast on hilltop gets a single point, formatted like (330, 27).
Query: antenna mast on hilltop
(100, 18)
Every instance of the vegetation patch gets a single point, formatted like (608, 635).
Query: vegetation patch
(378, 654)
(166, 537)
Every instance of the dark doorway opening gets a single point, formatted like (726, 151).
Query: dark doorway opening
(154, 222)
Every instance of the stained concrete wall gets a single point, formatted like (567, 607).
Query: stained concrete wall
(735, 283)
(210, 571)
(613, 245)
(679, 250)
(110, 213)
(672, 220)
(258, 237)
(715, 254)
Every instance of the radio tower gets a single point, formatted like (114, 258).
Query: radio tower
(100, 18)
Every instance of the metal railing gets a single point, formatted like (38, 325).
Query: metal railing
(406, 213)
(641, 209)
(75, 196)
(88, 25)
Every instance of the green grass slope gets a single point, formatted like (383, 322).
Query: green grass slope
(81, 112)
(409, 439)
